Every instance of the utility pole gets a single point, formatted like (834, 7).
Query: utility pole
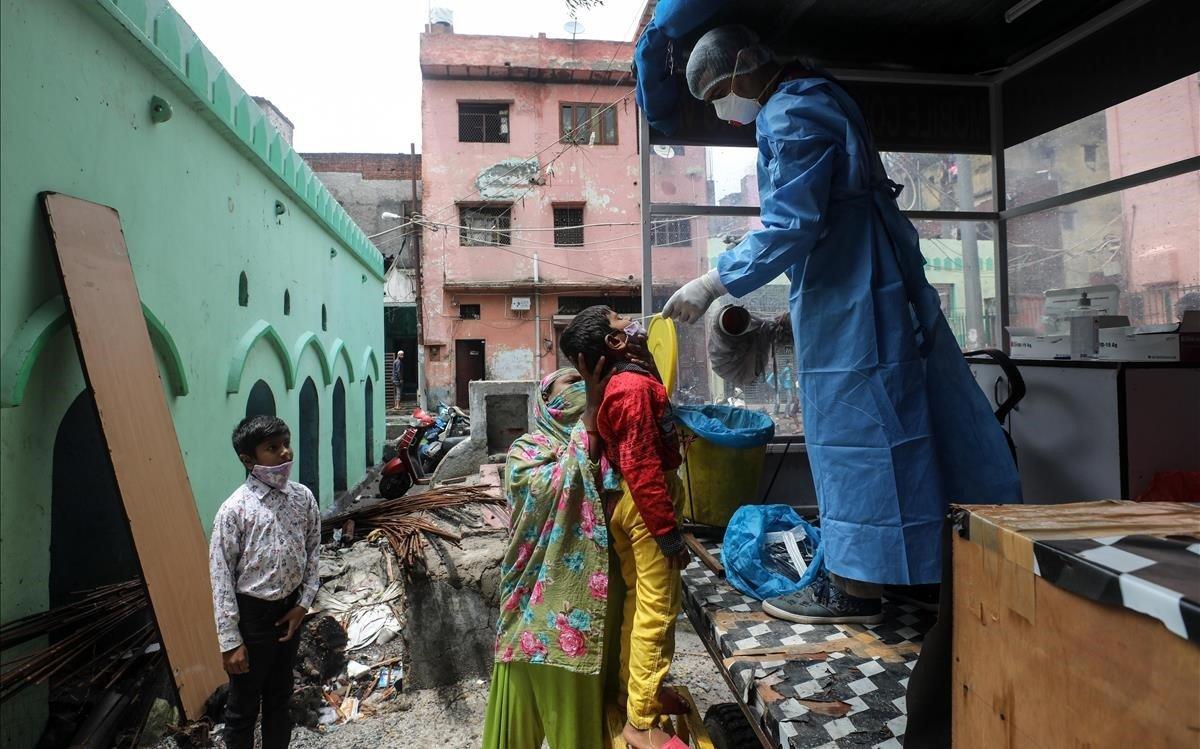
(417, 232)
(972, 288)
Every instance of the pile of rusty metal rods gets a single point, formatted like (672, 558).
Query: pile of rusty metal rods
(80, 649)
(402, 521)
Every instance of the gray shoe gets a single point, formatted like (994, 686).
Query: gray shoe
(823, 603)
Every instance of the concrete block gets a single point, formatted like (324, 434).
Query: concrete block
(453, 603)
(501, 411)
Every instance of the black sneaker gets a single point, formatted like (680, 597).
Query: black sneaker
(924, 597)
(822, 603)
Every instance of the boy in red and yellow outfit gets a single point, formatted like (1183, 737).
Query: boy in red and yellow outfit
(640, 440)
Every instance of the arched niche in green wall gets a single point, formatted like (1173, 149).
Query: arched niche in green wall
(35, 333)
(259, 330)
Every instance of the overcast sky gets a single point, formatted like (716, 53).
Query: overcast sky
(346, 73)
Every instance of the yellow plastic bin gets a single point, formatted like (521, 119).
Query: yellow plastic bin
(724, 450)
(725, 447)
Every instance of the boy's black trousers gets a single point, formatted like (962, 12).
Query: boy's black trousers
(269, 680)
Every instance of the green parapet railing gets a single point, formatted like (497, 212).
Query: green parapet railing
(159, 31)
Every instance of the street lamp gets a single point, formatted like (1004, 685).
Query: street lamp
(389, 216)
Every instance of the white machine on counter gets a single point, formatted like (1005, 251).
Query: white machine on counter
(1072, 320)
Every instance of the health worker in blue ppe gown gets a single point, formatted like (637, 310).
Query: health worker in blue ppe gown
(895, 426)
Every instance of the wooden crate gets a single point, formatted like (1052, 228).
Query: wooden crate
(1037, 666)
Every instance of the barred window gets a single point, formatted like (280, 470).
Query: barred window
(482, 123)
(485, 225)
(671, 232)
(568, 226)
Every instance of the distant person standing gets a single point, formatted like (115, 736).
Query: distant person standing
(398, 378)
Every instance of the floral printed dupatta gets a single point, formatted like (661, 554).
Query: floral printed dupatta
(554, 577)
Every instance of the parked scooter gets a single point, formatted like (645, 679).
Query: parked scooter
(419, 450)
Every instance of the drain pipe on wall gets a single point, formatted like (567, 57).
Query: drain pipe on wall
(537, 323)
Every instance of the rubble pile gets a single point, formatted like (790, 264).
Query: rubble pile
(373, 616)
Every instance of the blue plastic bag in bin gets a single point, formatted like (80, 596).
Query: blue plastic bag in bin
(727, 426)
(749, 564)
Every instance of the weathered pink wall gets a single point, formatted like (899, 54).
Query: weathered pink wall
(602, 178)
(1161, 219)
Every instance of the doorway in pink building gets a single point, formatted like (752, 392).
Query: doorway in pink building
(468, 367)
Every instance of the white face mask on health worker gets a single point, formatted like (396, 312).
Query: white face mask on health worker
(736, 109)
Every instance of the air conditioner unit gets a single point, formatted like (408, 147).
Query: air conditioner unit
(520, 304)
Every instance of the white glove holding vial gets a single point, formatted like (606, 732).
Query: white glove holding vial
(691, 301)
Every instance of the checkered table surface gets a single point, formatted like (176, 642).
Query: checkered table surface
(1156, 575)
(837, 685)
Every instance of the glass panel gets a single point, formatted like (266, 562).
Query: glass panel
(728, 177)
(567, 121)
(703, 176)
(960, 262)
(691, 249)
(951, 250)
(610, 126)
(1156, 128)
(931, 181)
(1145, 240)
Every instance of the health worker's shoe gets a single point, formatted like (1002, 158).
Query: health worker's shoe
(823, 603)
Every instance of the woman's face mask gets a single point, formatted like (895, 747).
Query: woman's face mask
(569, 402)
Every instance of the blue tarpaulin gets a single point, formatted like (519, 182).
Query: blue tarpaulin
(658, 56)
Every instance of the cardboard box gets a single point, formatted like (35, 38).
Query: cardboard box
(1038, 667)
(1167, 343)
(1041, 346)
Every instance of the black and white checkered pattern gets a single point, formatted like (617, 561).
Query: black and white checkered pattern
(1158, 576)
(840, 701)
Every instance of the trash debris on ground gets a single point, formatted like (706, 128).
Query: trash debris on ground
(405, 521)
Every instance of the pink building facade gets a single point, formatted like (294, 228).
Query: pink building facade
(531, 199)
(1161, 219)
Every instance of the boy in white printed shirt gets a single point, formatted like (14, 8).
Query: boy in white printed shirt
(263, 563)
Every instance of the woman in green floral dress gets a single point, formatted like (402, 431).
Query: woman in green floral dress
(547, 682)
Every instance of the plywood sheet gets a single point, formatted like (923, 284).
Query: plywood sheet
(1065, 672)
(122, 374)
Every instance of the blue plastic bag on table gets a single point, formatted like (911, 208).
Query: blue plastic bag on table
(744, 553)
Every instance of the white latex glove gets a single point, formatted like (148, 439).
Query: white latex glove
(691, 302)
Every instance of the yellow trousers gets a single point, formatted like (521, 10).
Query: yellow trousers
(653, 600)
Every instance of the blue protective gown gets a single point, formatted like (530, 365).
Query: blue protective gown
(894, 423)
